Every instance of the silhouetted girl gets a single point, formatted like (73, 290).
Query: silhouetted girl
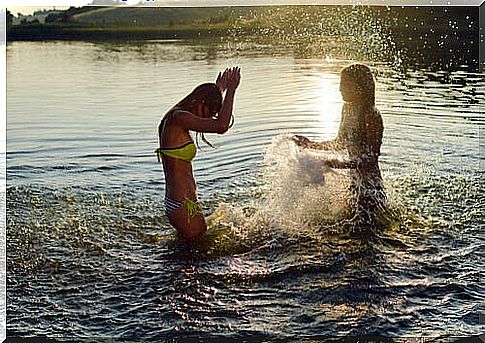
(360, 134)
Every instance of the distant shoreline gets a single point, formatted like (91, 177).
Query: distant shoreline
(39, 32)
(448, 35)
(90, 23)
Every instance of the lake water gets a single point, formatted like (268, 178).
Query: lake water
(91, 254)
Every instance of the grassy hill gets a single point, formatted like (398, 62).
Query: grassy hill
(155, 16)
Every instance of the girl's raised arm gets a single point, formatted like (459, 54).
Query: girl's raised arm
(229, 80)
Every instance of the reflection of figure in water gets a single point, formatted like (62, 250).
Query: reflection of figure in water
(360, 134)
(203, 110)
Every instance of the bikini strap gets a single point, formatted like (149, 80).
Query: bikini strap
(159, 154)
(193, 208)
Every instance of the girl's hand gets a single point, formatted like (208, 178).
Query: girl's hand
(233, 78)
(328, 163)
(221, 80)
(301, 140)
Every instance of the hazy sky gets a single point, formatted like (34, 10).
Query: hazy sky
(29, 6)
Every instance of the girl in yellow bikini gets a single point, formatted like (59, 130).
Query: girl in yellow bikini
(203, 110)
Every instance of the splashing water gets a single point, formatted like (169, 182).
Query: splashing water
(302, 197)
(303, 189)
(352, 32)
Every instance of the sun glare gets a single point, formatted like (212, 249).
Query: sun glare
(330, 103)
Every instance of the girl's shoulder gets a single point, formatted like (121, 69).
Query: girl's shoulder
(375, 119)
(374, 112)
(169, 119)
(173, 114)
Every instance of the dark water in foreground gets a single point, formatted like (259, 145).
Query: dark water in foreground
(90, 253)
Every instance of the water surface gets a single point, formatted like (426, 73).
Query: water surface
(91, 254)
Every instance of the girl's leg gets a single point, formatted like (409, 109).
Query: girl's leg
(189, 220)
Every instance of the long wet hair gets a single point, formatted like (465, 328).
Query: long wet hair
(353, 129)
(208, 94)
(361, 75)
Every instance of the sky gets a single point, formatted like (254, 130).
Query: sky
(30, 6)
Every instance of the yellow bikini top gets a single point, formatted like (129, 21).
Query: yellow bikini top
(185, 152)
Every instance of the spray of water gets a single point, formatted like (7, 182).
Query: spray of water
(357, 33)
(302, 198)
(302, 189)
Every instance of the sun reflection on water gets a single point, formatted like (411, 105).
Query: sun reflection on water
(329, 105)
